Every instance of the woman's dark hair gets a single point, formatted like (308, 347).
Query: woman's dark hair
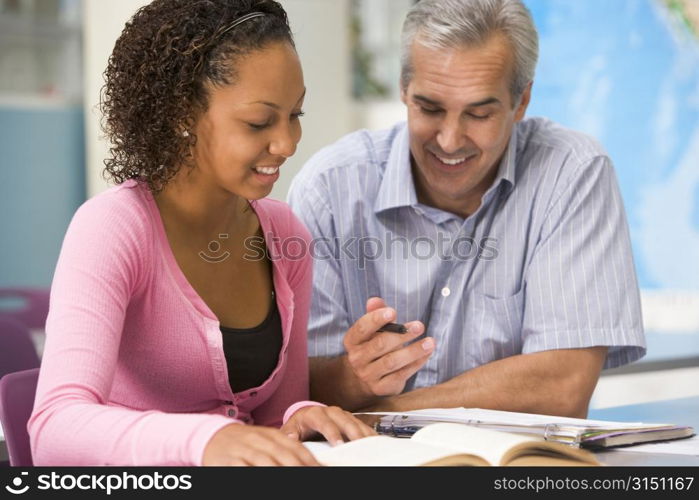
(157, 75)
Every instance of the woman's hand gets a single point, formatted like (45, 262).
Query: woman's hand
(239, 444)
(333, 423)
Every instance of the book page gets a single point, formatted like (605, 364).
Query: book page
(386, 451)
(316, 446)
(502, 448)
(487, 444)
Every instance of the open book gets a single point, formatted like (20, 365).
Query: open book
(578, 432)
(453, 444)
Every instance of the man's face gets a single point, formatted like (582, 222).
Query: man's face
(460, 117)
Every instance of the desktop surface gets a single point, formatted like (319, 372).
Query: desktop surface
(684, 411)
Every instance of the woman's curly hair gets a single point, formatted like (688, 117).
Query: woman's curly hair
(157, 75)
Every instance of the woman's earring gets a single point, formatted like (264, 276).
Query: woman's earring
(185, 133)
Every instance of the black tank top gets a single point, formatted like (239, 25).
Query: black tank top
(252, 354)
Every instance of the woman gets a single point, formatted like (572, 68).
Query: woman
(168, 341)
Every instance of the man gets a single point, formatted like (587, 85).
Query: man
(504, 237)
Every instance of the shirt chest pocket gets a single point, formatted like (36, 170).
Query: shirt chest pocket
(494, 326)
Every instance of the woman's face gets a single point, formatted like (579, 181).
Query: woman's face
(251, 126)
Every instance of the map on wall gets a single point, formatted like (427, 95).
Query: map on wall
(627, 73)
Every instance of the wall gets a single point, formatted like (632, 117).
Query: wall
(42, 185)
(41, 136)
(102, 25)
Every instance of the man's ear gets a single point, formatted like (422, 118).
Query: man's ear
(524, 102)
(404, 94)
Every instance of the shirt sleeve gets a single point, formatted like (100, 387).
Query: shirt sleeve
(100, 267)
(581, 288)
(329, 317)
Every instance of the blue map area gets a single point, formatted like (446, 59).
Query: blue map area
(627, 73)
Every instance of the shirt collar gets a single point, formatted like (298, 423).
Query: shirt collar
(507, 167)
(398, 188)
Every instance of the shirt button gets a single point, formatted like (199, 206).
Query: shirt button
(446, 292)
(233, 413)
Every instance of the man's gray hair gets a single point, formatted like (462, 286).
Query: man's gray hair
(442, 24)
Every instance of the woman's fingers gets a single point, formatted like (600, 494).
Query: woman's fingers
(333, 423)
(239, 444)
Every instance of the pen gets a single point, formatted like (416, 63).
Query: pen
(392, 425)
(393, 327)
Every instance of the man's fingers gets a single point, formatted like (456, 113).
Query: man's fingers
(398, 359)
(374, 303)
(406, 372)
(415, 327)
(366, 326)
(372, 354)
(380, 345)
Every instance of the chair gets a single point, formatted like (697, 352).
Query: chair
(34, 309)
(17, 392)
(17, 351)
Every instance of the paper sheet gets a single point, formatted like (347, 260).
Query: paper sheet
(505, 417)
(316, 446)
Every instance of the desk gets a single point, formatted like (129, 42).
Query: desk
(683, 411)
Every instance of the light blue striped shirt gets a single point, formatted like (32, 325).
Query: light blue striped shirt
(544, 263)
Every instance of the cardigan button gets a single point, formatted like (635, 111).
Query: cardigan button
(233, 412)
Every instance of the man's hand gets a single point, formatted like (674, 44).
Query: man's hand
(381, 361)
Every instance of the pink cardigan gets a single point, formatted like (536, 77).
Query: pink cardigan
(133, 370)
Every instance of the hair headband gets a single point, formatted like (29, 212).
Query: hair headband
(241, 20)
